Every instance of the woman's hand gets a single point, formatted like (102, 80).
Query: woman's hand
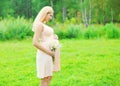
(51, 53)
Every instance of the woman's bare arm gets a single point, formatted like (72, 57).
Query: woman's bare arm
(37, 32)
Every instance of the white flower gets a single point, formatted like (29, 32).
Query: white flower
(54, 45)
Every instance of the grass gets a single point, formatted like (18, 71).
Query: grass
(83, 63)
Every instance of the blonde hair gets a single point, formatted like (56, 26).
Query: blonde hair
(42, 14)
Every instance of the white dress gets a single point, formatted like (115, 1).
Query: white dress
(45, 64)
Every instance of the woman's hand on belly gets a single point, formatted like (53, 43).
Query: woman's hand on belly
(51, 53)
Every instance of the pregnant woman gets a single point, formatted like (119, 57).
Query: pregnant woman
(47, 59)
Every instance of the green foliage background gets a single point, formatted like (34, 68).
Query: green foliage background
(93, 62)
(100, 11)
(20, 28)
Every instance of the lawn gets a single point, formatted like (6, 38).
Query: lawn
(83, 63)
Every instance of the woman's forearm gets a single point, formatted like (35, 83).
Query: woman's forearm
(40, 47)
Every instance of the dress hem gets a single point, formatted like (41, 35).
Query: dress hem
(43, 76)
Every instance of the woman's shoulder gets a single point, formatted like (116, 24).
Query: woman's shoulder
(38, 26)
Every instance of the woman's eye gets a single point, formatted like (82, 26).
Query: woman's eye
(51, 15)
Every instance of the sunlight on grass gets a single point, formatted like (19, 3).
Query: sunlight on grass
(83, 63)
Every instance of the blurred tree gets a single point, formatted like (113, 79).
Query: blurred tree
(5, 8)
(87, 11)
(37, 5)
(22, 8)
(114, 9)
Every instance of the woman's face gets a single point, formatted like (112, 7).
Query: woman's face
(48, 16)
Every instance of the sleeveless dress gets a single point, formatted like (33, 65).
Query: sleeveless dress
(44, 62)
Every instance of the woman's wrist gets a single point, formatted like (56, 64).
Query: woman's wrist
(51, 53)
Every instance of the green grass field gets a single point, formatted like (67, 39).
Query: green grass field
(83, 63)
